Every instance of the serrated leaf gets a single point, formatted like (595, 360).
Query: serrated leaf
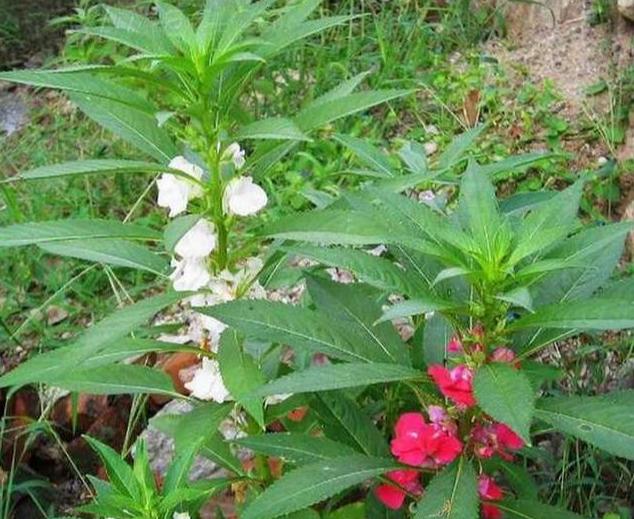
(115, 379)
(415, 157)
(375, 271)
(297, 448)
(413, 307)
(605, 421)
(452, 494)
(138, 128)
(91, 167)
(240, 374)
(515, 162)
(317, 115)
(591, 314)
(368, 154)
(458, 147)
(116, 252)
(339, 376)
(36, 233)
(507, 395)
(119, 473)
(272, 128)
(344, 420)
(313, 483)
(117, 325)
(356, 309)
(82, 83)
(287, 324)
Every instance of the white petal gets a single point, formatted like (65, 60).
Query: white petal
(207, 383)
(172, 193)
(190, 274)
(237, 154)
(243, 198)
(181, 515)
(198, 242)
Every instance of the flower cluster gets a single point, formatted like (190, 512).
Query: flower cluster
(240, 197)
(450, 431)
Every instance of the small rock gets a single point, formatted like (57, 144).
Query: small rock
(602, 161)
(626, 8)
(55, 315)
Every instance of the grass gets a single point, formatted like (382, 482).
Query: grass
(403, 44)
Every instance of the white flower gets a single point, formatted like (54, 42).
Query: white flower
(181, 515)
(237, 154)
(174, 192)
(189, 274)
(198, 242)
(242, 197)
(207, 383)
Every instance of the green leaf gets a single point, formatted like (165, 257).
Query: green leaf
(339, 376)
(297, 448)
(337, 227)
(119, 473)
(605, 421)
(478, 210)
(81, 83)
(436, 335)
(138, 128)
(452, 494)
(458, 147)
(177, 27)
(412, 307)
(151, 32)
(517, 476)
(54, 364)
(36, 233)
(415, 157)
(288, 324)
(91, 167)
(311, 484)
(240, 374)
(272, 128)
(515, 162)
(356, 309)
(527, 509)
(319, 114)
(344, 420)
(114, 379)
(591, 314)
(121, 253)
(342, 89)
(200, 424)
(369, 155)
(547, 223)
(373, 270)
(507, 395)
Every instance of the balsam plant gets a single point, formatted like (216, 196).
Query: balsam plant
(438, 423)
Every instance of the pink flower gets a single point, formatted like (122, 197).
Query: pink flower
(503, 355)
(489, 490)
(439, 417)
(454, 345)
(418, 443)
(456, 384)
(495, 438)
(393, 496)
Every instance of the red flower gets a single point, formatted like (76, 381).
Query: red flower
(393, 496)
(491, 511)
(454, 345)
(495, 438)
(503, 355)
(489, 490)
(456, 384)
(507, 438)
(421, 444)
